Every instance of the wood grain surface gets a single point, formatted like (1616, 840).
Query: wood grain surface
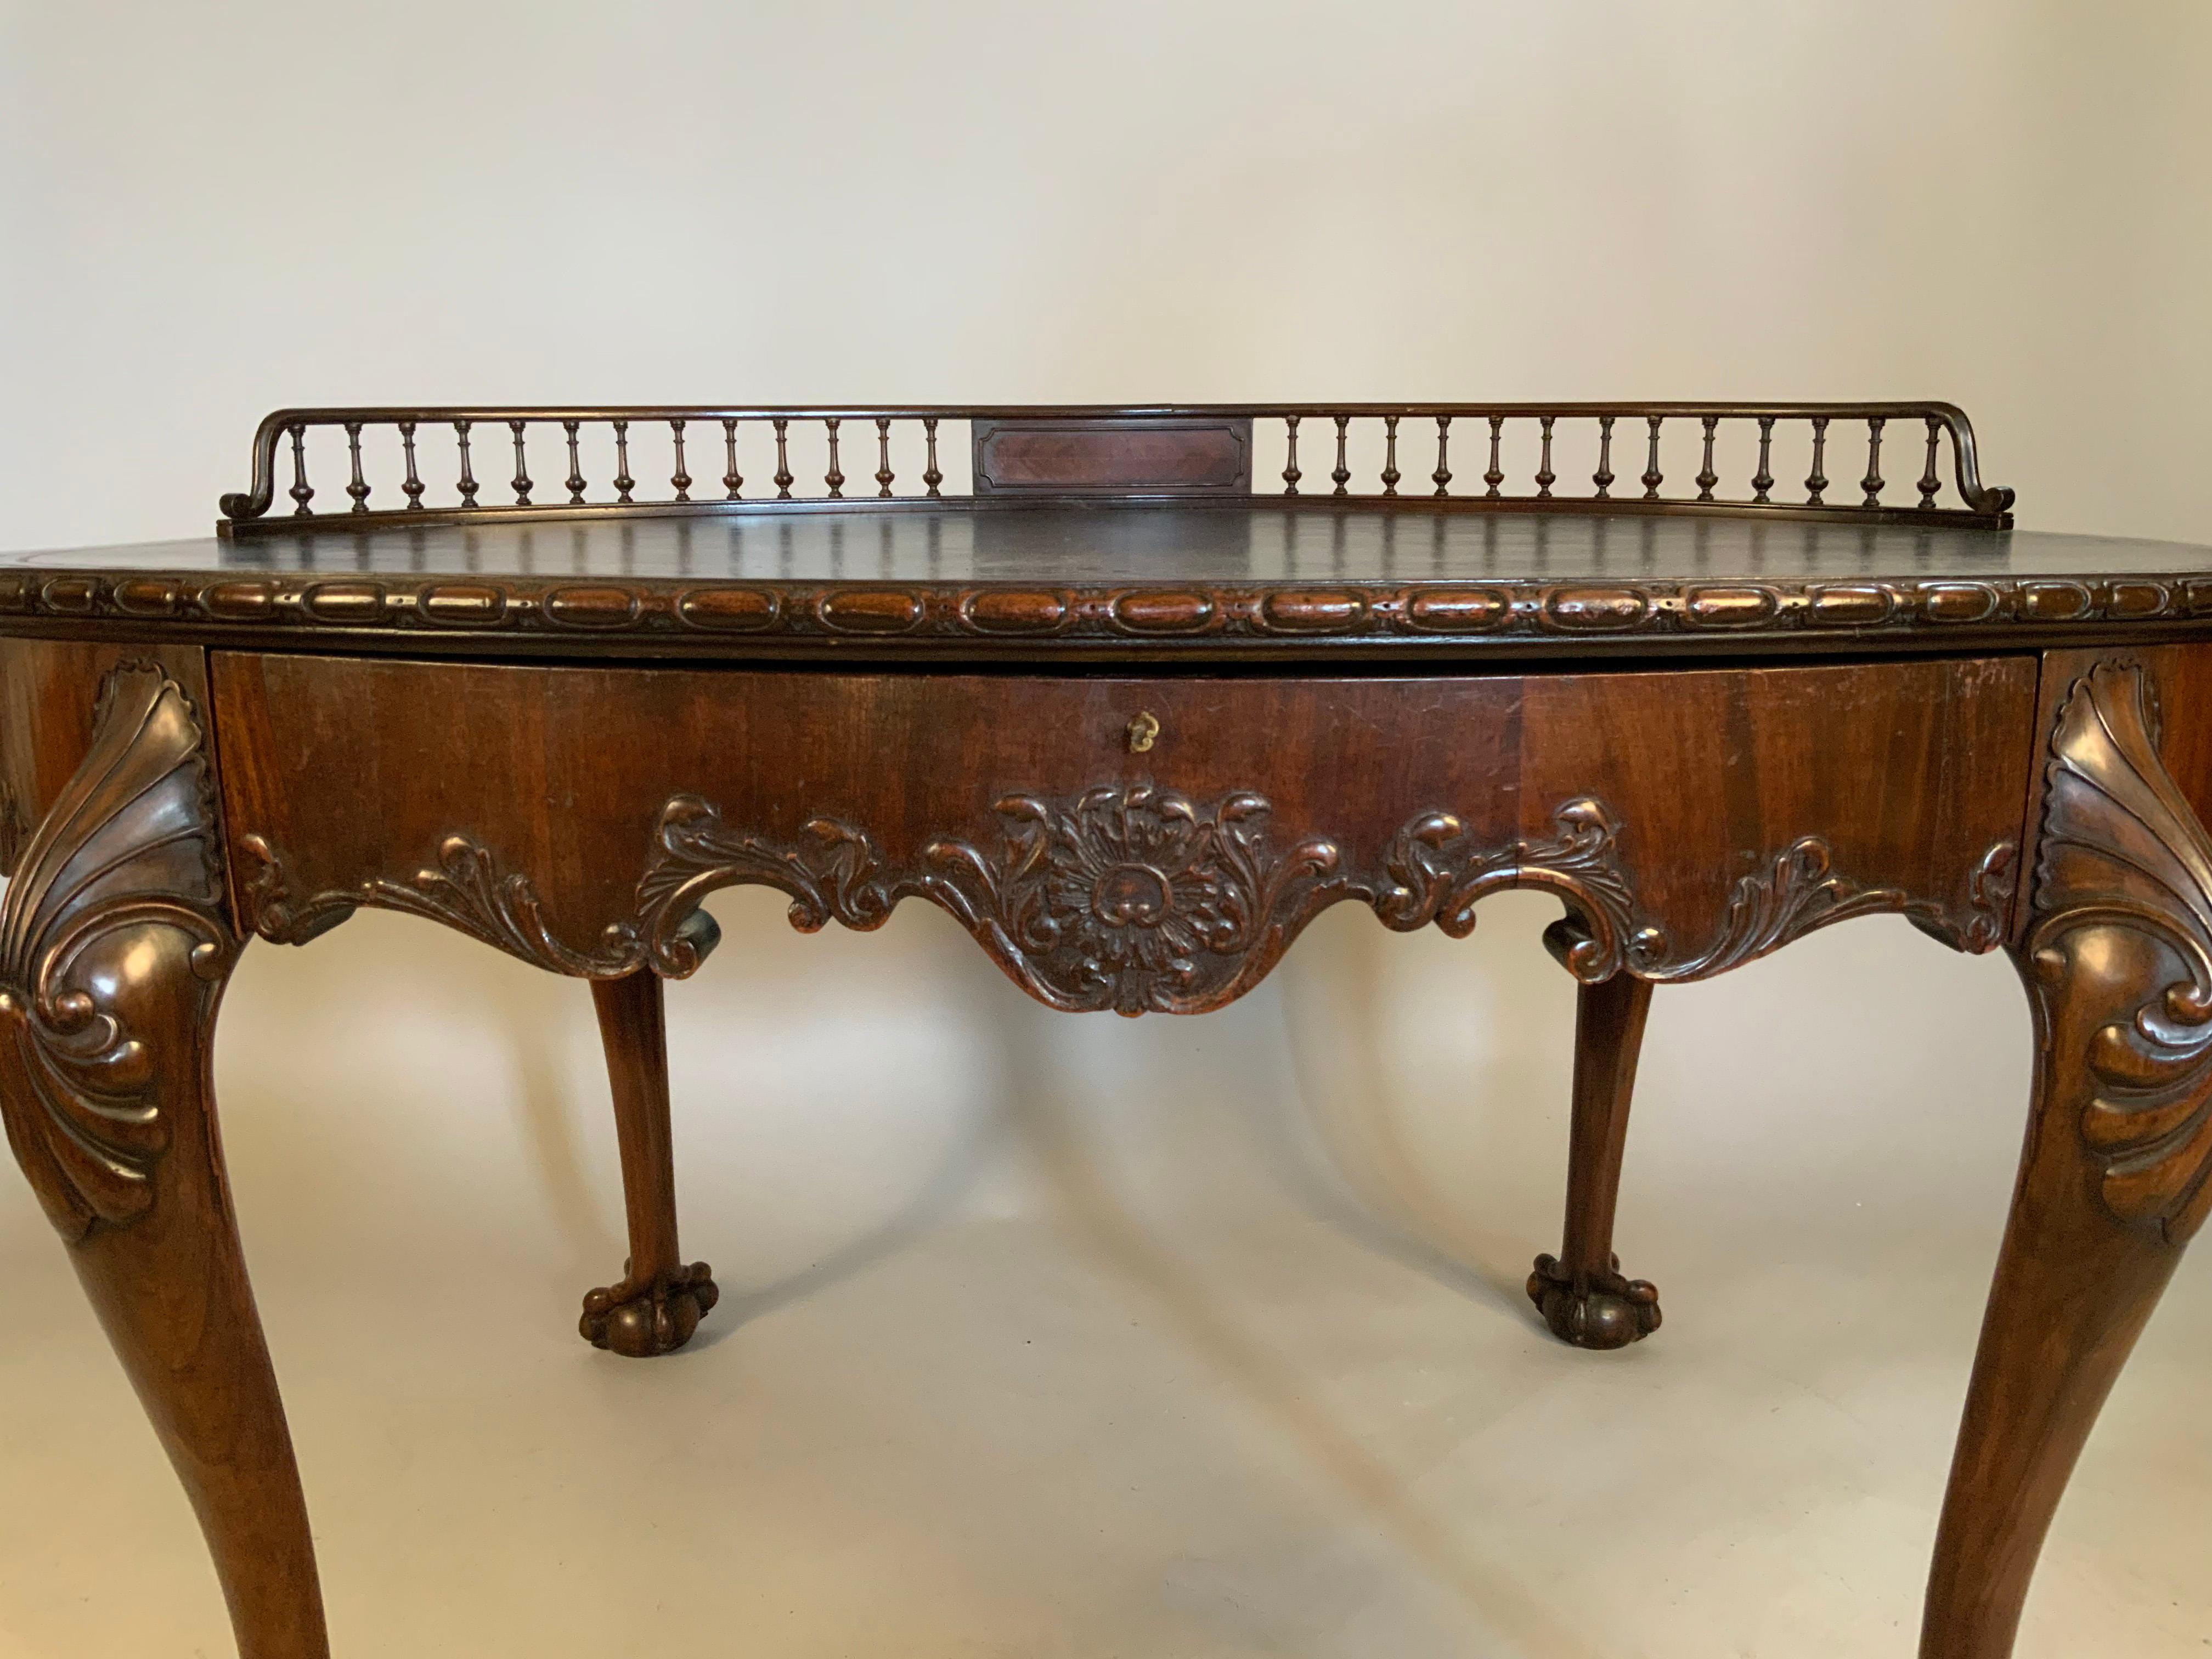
(115, 943)
(346, 778)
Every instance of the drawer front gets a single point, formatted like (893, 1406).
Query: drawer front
(1138, 842)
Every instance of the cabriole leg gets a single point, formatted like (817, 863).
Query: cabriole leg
(173, 1294)
(1581, 1292)
(114, 948)
(2118, 961)
(660, 1300)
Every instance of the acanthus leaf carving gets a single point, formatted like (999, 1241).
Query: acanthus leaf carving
(1800, 891)
(112, 949)
(1981, 923)
(1127, 898)
(2123, 926)
(467, 888)
(833, 873)
(1133, 898)
(1438, 873)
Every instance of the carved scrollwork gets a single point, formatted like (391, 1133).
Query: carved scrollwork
(1438, 873)
(1133, 898)
(1125, 898)
(1979, 922)
(467, 888)
(112, 949)
(833, 873)
(2119, 953)
(1800, 891)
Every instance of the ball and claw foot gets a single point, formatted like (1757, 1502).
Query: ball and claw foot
(655, 1317)
(1606, 1311)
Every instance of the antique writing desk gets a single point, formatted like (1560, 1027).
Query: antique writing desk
(1132, 705)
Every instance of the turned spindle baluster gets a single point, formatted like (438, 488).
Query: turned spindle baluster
(624, 482)
(359, 487)
(575, 478)
(468, 474)
(521, 469)
(679, 480)
(413, 488)
(300, 493)
(1391, 478)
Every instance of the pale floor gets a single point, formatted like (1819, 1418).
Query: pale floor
(1047, 1337)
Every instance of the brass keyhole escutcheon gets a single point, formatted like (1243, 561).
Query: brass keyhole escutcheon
(1142, 730)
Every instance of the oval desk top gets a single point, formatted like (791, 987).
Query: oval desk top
(1203, 578)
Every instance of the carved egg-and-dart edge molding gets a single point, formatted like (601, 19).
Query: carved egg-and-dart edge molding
(921, 612)
(2124, 860)
(112, 949)
(1133, 898)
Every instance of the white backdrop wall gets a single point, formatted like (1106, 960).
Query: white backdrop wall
(207, 212)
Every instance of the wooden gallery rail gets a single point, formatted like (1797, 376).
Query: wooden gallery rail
(1001, 663)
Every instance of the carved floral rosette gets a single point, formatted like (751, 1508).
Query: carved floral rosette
(1135, 898)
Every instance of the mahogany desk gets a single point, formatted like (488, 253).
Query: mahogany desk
(1132, 719)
